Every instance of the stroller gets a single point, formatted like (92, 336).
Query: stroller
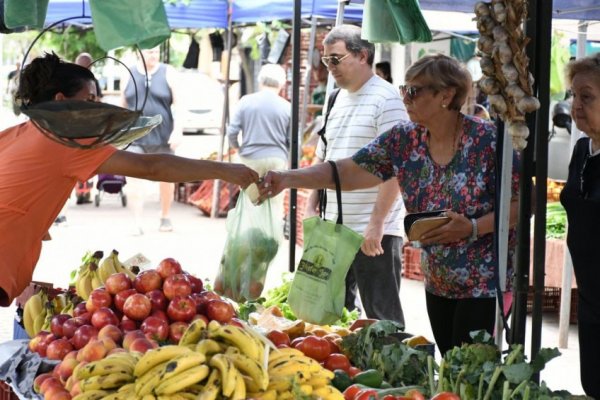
(112, 184)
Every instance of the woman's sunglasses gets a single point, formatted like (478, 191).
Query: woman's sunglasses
(335, 60)
(411, 91)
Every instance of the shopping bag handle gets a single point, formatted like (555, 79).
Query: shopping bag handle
(338, 194)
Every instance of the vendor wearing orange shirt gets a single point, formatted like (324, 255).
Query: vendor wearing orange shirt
(38, 174)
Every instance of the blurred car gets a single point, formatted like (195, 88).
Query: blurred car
(201, 102)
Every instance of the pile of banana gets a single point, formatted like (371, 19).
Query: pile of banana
(293, 375)
(39, 310)
(93, 272)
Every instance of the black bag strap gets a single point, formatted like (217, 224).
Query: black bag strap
(330, 103)
(338, 194)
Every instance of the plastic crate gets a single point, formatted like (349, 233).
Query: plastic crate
(6, 392)
(551, 301)
(411, 263)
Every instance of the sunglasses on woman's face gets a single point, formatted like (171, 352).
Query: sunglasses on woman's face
(335, 60)
(411, 92)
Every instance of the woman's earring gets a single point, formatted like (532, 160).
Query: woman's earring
(444, 106)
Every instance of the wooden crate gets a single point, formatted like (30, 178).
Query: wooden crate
(6, 392)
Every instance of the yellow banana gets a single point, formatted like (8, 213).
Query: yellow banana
(235, 336)
(318, 381)
(157, 356)
(283, 352)
(129, 389)
(290, 367)
(106, 366)
(239, 393)
(208, 347)
(33, 307)
(103, 382)
(323, 373)
(146, 383)
(38, 322)
(306, 389)
(182, 363)
(118, 395)
(91, 395)
(281, 384)
(212, 388)
(226, 368)
(83, 286)
(120, 267)
(96, 281)
(106, 268)
(287, 395)
(251, 385)
(250, 367)
(193, 333)
(328, 393)
(148, 397)
(267, 395)
(182, 380)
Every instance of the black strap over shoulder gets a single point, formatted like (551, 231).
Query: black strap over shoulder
(330, 103)
(338, 194)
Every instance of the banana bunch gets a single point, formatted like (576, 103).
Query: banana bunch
(35, 313)
(294, 375)
(88, 277)
(109, 378)
(111, 265)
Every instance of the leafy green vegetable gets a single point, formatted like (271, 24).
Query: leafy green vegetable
(556, 221)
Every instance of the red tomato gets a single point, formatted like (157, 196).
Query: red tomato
(315, 347)
(415, 394)
(367, 394)
(337, 361)
(353, 371)
(446, 396)
(278, 338)
(351, 392)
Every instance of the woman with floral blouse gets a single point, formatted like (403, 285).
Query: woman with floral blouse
(443, 160)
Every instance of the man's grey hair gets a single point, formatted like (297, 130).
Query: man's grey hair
(351, 36)
(272, 75)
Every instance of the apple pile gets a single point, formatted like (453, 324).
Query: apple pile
(154, 308)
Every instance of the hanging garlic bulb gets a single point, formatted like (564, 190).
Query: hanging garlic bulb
(499, 12)
(510, 73)
(519, 132)
(504, 53)
(528, 104)
(515, 92)
(489, 85)
(498, 103)
(485, 44)
(500, 34)
(487, 65)
(486, 25)
(482, 9)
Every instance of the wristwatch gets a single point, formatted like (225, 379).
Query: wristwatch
(473, 229)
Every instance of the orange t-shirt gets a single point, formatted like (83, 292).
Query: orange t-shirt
(37, 176)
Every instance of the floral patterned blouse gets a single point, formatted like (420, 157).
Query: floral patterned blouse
(465, 185)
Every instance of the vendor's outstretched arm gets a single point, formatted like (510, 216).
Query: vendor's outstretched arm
(169, 168)
(319, 176)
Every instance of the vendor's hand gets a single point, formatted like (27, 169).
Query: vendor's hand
(270, 185)
(371, 246)
(459, 228)
(240, 175)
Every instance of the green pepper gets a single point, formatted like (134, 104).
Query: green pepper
(371, 378)
(341, 380)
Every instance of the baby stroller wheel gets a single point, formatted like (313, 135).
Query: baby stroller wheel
(124, 199)
(97, 200)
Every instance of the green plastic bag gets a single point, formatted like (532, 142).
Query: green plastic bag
(119, 23)
(21, 13)
(253, 238)
(318, 289)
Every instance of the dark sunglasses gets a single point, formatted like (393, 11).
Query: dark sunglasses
(335, 60)
(411, 91)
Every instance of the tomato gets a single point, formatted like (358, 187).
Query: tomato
(315, 347)
(353, 371)
(367, 394)
(278, 338)
(446, 396)
(351, 392)
(337, 361)
(414, 394)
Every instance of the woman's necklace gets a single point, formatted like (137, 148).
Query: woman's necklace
(455, 139)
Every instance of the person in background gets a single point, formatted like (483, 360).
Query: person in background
(581, 199)
(384, 70)
(264, 120)
(365, 107)
(37, 174)
(441, 159)
(162, 100)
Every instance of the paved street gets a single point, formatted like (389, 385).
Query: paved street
(197, 242)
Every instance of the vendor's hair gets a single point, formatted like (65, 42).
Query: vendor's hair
(590, 64)
(272, 75)
(386, 68)
(350, 35)
(441, 72)
(46, 76)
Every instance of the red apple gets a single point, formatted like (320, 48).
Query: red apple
(131, 336)
(147, 281)
(204, 297)
(155, 328)
(219, 310)
(58, 349)
(112, 332)
(39, 343)
(116, 283)
(177, 285)
(197, 285)
(56, 324)
(137, 307)
(181, 308)
(176, 330)
(202, 317)
(79, 309)
(49, 382)
(70, 326)
(158, 299)
(128, 324)
(98, 298)
(37, 382)
(104, 316)
(94, 350)
(83, 335)
(160, 314)
(168, 267)
(120, 298)
(142, 345)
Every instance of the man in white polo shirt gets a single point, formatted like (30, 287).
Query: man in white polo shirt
(365, 107)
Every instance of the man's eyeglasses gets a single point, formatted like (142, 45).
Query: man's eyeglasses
(411, 91)
(335, 60)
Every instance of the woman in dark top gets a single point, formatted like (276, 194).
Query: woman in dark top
(581, 199)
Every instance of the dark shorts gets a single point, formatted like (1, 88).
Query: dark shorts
(150, 149)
